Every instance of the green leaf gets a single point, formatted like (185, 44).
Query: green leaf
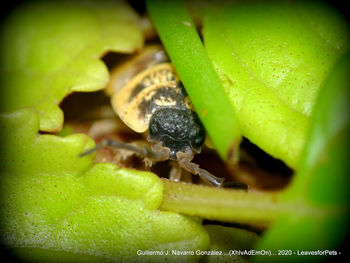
(323, 178)
(324, 159)
(23, 150)
(227, 240)
(182, 42)
(52, 200)
(272, 58)
(49, 50)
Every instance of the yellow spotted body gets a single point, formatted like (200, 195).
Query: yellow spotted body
(148, 86)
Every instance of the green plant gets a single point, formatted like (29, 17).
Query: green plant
(57, 206)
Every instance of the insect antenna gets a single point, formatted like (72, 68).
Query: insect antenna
(90, 151)
(145, 151)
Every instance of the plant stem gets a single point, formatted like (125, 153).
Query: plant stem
(221, 204)
(228, 205)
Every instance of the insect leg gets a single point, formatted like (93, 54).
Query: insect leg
(161, 152)
(145, 151)
(175, 172)
(184, 160)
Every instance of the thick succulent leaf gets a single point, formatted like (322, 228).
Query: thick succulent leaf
(323, 179)
(49, 50)
(327, 149)
(23, 150)
(52, 200)
(272, 59)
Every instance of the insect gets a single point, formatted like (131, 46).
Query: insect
(147, 94)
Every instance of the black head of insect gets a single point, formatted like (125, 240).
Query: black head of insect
(177, 129)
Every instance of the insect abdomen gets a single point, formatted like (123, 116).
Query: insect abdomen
(151, 89)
